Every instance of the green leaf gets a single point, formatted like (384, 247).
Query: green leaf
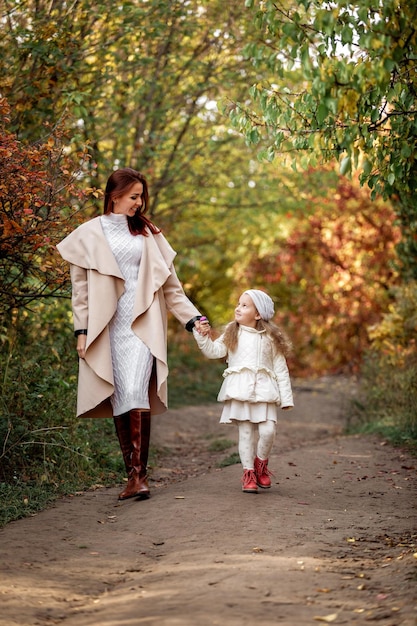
(321, 113)
(347, 34)
(345, 166)
(406, 151)
(367, 167)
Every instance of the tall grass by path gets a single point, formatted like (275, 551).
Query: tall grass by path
(387, 402)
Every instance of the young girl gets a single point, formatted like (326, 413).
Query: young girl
(256, 381)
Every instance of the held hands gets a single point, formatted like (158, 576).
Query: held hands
(81, 343)
(202, 326)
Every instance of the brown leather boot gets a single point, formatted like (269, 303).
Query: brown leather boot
(122, 424)
(140, 430)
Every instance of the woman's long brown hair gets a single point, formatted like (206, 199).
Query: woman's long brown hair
(118, 184)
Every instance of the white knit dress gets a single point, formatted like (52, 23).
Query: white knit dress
(131, 358)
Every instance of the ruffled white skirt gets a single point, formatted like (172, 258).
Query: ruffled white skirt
(237, 411)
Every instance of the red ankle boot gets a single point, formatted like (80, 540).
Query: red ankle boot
(249, 482)
(262, 473)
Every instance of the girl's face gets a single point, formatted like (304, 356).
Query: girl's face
(129, 202)
(246, 313)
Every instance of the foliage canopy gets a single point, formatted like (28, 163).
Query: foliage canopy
(338, 80)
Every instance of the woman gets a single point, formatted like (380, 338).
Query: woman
(123, 283)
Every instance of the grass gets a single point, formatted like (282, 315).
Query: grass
(232, 459)
(219, 445)
(24, 499)
(387, 402)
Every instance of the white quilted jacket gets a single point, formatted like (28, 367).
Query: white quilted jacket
(255, 372)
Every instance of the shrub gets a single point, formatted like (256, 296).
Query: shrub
(388, 398)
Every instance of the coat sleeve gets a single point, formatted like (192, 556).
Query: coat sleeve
(79, 297)
(211, 349)
(175, 299)
(284, 381)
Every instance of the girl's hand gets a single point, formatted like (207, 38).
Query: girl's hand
(203, 326)
(81, 343)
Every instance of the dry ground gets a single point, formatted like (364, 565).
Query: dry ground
(333, 541)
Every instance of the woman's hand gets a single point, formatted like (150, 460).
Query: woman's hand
(81, 343)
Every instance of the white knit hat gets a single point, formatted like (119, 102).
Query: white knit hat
(263, 303)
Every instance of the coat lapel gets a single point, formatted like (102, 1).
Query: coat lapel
(87, 247)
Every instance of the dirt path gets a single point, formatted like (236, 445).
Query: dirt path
(334, 540)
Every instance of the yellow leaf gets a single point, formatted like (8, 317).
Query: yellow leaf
(326, 618)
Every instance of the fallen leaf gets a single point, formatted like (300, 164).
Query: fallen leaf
(326, 618)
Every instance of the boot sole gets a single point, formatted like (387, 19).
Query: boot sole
(141, 496)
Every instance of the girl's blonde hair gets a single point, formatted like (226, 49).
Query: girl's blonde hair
(281, 342)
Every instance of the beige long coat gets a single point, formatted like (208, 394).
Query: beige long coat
(97, 285)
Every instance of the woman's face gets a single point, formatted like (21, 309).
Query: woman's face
(246, 313)
(129, 202)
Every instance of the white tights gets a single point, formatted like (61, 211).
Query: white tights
(249, 447)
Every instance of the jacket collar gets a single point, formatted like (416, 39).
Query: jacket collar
(249, 329)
